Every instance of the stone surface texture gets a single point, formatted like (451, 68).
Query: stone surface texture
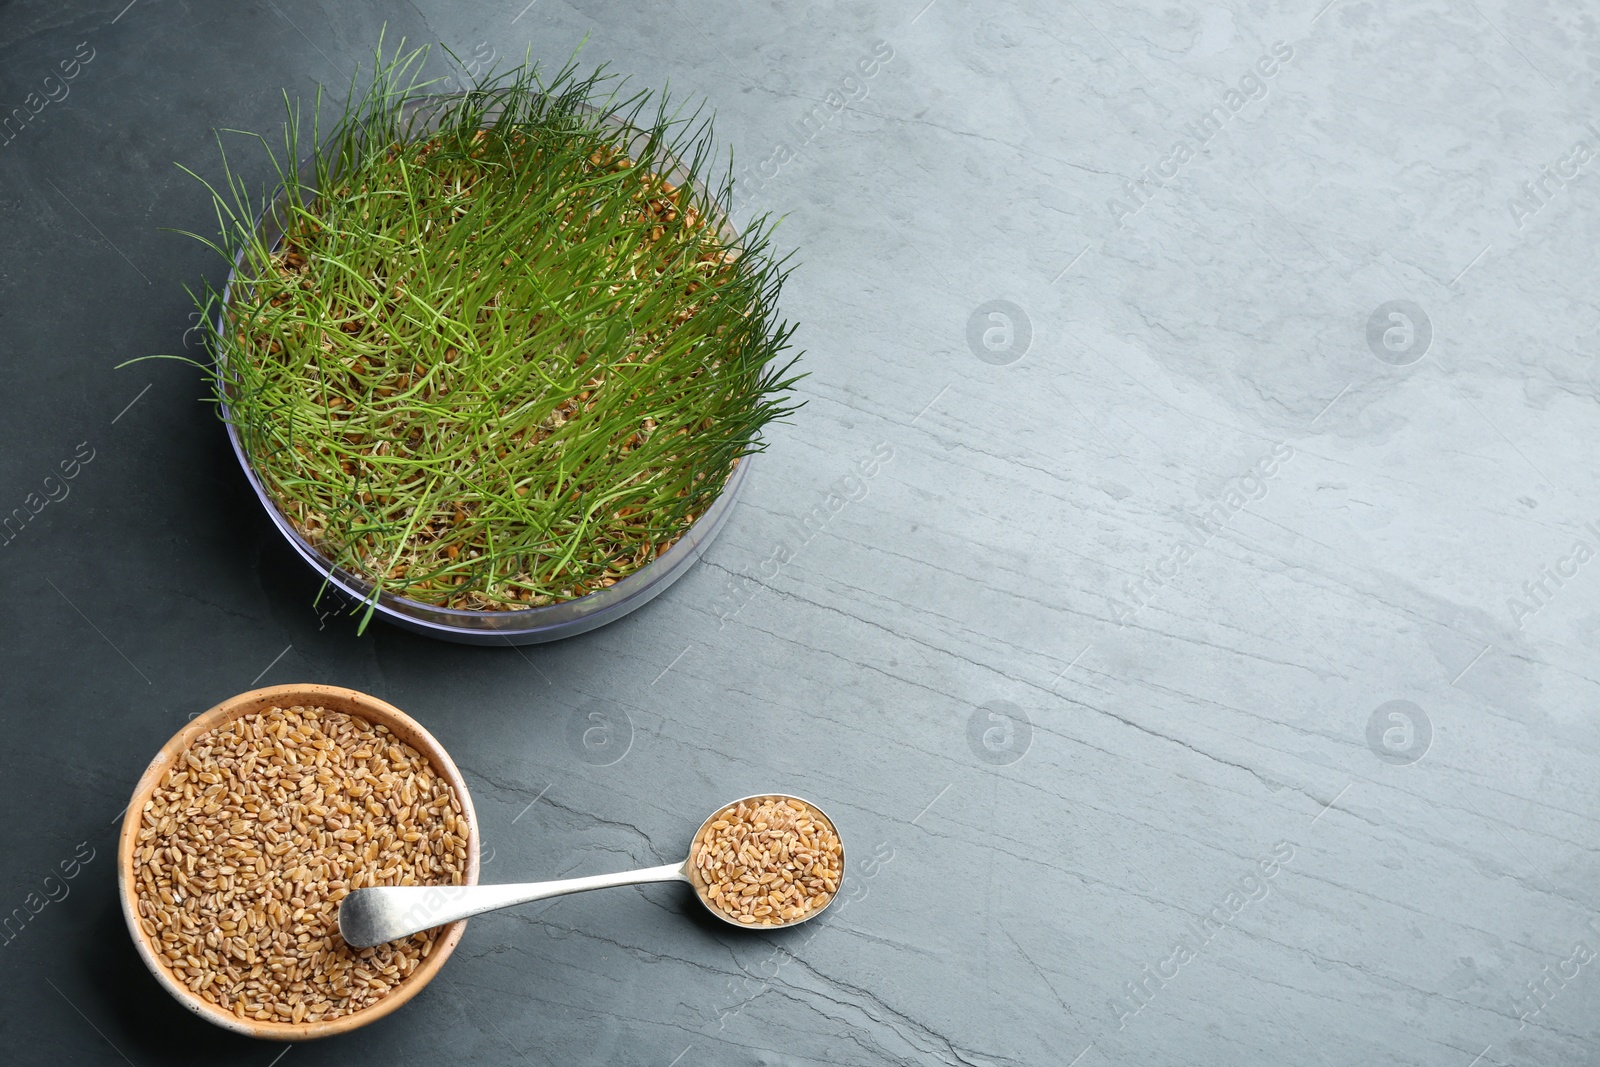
(1182, 616)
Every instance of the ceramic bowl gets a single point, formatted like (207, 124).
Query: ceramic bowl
(333, 698)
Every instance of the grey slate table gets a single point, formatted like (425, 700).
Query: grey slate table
(1204, 673)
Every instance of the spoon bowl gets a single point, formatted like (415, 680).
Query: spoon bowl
(702, 888)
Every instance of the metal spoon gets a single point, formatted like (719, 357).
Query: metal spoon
(379, 914)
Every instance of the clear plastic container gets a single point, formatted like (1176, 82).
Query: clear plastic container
(519, 626)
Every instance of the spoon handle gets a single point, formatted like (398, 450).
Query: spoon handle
(379, 914)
